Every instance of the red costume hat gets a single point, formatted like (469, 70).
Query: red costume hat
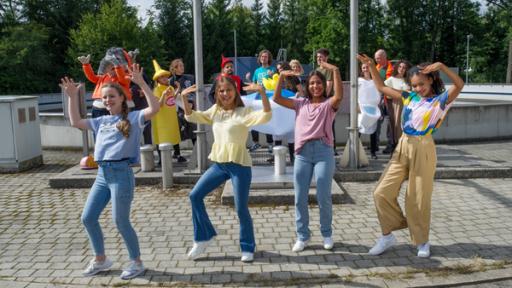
(224, 61)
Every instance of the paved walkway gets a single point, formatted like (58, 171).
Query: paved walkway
(43, 244)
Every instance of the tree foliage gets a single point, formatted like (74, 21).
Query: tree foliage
(116, 25)
(57, 31)
(25, 66)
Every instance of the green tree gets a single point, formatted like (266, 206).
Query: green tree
(25, 66)
(273, 38)
(371, 26)
(258, 19)
(116, 25)
(327, 28)
(242, 22)
(217, 35)
(175, 27)
(294, 24)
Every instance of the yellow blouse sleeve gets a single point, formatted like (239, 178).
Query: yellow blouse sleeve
(202, 117)
(253, 118)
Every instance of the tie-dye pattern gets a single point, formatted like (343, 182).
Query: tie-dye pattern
(422, 116)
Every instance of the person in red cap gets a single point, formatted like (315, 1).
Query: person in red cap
(227, 70)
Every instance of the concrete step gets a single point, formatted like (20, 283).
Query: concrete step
(264, 193)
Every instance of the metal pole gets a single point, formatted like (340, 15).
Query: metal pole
(200, 96)
(467, 58)
(236, 61)
(353, 129)
(509, 66)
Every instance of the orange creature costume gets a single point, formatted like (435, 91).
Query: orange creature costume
(119, 78)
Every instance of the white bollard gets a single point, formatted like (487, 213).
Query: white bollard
(280, 160)
(165, 149)
(147, 159)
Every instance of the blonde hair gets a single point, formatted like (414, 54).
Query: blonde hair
(124, 125)
(296, 62)
(230, 81)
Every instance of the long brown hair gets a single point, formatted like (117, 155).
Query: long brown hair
(124, 125)
(324, 83)
(230, 81)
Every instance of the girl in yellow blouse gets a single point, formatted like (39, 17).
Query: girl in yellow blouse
(230, 122)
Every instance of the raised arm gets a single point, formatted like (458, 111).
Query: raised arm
(87, 68)
(458, 84)
(337, 84)
(71, 89)
(278, 98)
(136, 77)
(187, 107)
(261, 90)
(379, 84)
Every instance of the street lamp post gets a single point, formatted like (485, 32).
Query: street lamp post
(469, 36)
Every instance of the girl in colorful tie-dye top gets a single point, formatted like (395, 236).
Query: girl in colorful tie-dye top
(415, 155)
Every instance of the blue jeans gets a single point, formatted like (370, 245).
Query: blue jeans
(217, 174)
(318, 157)
(114, 181)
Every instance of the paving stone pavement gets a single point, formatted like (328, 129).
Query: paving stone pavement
(43, 243)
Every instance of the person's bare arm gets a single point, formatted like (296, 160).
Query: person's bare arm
(278, 98)
(338, 85)
(458, 84)
(71, 90)
(379, 84)
(261, 90)
(153, 105)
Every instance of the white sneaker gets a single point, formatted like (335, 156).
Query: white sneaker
(299, 245)
(328, 243)
(132, 271)
(247, 257)
(96, 267)
(384, 243)
(198, 249)
(424, 250)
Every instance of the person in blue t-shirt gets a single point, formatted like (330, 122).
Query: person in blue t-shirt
(117, 147)
(264, 71)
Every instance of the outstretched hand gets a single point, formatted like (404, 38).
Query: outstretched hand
(188, 90)
(70, 87)
(84, 59)
(287, 73)
(363, 58)
(254, 87)
(136, 74)
(328, 66)
(432, 68)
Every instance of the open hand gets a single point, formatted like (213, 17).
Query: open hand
(432, 68)
(363, 58)
(188, 90)
(70, 87)
(84, 59)
(254, 87)
(328, 66)
(136, 74)
(287, 73)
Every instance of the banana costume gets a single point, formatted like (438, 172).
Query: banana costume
(164, 125)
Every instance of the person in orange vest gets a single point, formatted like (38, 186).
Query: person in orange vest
(385, 69)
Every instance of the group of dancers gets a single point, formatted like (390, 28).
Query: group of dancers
(118, 136)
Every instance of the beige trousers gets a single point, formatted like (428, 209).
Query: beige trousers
(414, 159)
